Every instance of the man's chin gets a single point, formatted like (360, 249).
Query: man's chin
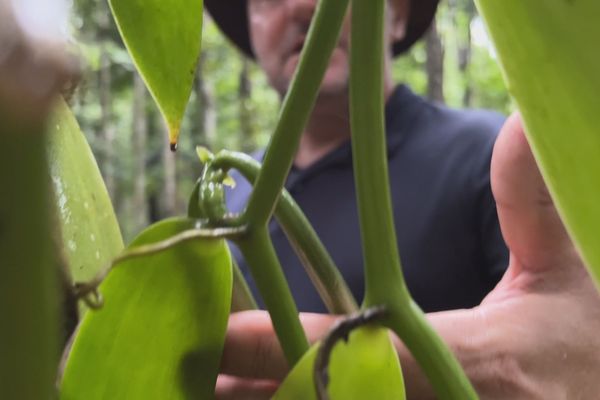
(334, 89)
(334, 83)
(327, 90)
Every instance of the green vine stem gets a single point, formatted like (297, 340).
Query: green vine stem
(260, 255)
(385, 285)
(297, 106)
(319, 266)
(29, 309)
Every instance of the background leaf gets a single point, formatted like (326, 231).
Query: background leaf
(549, 54)
(90, 231)
(161, 330)
(366, 367)
(163, 38)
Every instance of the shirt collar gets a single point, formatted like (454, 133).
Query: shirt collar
(401, 111)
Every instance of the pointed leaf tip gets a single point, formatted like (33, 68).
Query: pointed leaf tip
(204, 154)
(164, 40)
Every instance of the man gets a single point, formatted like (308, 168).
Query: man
(448, 233)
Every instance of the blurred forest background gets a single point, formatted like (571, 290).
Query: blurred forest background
(231, 104)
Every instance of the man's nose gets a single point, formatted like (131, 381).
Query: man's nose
(302, 10)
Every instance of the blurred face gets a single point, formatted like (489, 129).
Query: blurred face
(278, 30)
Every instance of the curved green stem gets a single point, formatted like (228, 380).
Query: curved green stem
(319, 266)
(260, 255)
(297, 106)
(384, 280)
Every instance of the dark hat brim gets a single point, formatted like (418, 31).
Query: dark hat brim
(231, 17)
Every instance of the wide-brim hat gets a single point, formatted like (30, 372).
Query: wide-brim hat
(232, 19)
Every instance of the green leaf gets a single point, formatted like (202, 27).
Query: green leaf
(90, 231)
(204, 154)
(366, 367)
(163, 38)
(548, 52)
(160, 333)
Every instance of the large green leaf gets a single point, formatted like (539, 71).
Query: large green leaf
(160, 333)
(90, 231)
(366, 367)
(163, 38)
(549, 54)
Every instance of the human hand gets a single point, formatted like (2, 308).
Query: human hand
(535, 336)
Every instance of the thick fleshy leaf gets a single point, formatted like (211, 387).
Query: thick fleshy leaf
(163, 38)
(549, 53)
(90, 231)
(160, 332)
(366, 367)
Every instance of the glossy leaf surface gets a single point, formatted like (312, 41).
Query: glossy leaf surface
(163, 38)
(161, 330)
(366, 367)
(90, 231)
(549, 54)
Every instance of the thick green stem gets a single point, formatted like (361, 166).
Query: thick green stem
(28, 288)
(297, 106)
(385, 283)
(319, 266)
(260, 255)
(29, 314)
(435, 358)
(383, 274)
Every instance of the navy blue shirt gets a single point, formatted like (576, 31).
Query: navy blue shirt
(447, 228)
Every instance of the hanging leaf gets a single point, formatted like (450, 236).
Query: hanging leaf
(90, 231)
(160, 332)
(366, 367)
(163, 38)
(549, 54)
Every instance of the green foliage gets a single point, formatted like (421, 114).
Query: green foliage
(29, 296)
(160, 332)
(364, 367)
(552, 72)
(89, 227)
(164, 40)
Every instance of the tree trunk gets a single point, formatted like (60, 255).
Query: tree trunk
(107, 129)
(465, 52)
(139, 140)
(435, 65)
(245, 112)
(169, 189)
(207, 115)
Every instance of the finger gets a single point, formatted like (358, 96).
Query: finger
(252, 349)
(530, 224)
(234, 388)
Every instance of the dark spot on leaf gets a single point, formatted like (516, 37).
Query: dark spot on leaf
(198, 371)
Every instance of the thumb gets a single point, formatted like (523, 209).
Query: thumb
(530, 224)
